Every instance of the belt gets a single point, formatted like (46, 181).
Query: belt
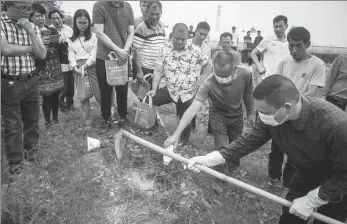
(21, 77)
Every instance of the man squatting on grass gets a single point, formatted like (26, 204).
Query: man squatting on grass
(313, 134)
(225, 89)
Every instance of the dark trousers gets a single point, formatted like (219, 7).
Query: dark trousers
(163, 97)
(225, 130)
(106, 93)
(20, 108)
(275, 165)
(51, 104)
(69, 89)
(300, 185)
(337, 101)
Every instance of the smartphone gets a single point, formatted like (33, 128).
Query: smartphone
(54, 38)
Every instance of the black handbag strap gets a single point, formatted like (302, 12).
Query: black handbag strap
(115, 23)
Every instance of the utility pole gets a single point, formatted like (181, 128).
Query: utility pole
(219, 10)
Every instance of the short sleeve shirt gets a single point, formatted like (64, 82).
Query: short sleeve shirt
(304, 73)
(125, 17)
(235, 38)
(180, 69)
(16, 65)
(274, 51)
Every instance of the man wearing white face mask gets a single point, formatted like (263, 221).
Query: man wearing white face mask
(314, 136)
(226, 89)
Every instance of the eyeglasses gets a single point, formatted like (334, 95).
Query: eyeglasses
(23, 8)
(82, 23)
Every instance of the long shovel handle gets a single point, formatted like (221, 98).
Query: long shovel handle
(224, 177)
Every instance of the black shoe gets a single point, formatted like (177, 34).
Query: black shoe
(274, 180)
(48, 124)
(15, 170)
(56, 121)
(106, 125)
(30, 156)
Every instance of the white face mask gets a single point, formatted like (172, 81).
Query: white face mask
(223, 80)
(270, 119)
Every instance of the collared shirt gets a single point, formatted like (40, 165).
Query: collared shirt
(310, 72)
(336, 80)
(81, 49)
(66, 33)
(180, 69)
(16, 65)
(226, 99)
(274, 51)
(257, 40)
(125, 18)
(204, 47)
(149, 40)
(316, 144)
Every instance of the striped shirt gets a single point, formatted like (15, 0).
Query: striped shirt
(149, 40)
(16, 65)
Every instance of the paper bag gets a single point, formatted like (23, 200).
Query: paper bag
(84, 87)
(146, 114)
(116, 74)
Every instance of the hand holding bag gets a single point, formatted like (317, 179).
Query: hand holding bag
(146, 114)
(141, 88)
(84, 88)
(116, 73)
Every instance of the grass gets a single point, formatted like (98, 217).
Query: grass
(71, 185)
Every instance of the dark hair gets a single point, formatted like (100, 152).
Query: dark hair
(298, 34)
(225, 34)
(55, 11)
(76, 32)
(150, 3)
(222, 58)
(234, 27)
(248, 31)
(280, 18)
(179, 26)
(6, 4)
(39, 8)
(143, 2)
(276, 90)
(258, 31)
(203, 25)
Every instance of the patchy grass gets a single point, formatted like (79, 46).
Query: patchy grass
(71, 185)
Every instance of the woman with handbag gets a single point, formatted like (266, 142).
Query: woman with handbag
(51, 81)
(82, 56)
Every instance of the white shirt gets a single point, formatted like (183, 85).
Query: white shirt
(80, 49)
(235, 39)
(274, 51)
(310, 72)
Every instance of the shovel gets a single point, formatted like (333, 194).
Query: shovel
(119, 148)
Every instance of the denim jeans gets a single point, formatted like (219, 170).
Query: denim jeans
(20, 108)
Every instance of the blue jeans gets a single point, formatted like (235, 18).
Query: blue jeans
(20, 109)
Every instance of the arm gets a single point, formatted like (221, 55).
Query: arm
(91, 60)
(39, 48)
(104, 39)
(248, 95)
(259, 49)
(14, 50)
(131, 30)
(157, 74)
(318, 79)
(334, 188)
(206, 71)
(139, 39)
(72, 56)
(331, 76)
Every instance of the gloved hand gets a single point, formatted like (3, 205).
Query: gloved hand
(212, 159)
(303, 207)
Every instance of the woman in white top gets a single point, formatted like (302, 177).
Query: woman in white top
(82, 56)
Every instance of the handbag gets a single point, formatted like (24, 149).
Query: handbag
(84, 88)
(146, 114)
(115, 23)
(116, 73)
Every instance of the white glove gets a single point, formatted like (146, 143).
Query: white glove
(212, 159)
(303, 207)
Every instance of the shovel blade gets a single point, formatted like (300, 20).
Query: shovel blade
(119, 143)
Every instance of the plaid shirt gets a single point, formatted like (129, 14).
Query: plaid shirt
(181, 69)
(316, 144)
(16, 65)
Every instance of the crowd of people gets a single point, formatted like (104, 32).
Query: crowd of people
(278, 91)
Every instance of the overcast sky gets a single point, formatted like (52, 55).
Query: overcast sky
(326, 20)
